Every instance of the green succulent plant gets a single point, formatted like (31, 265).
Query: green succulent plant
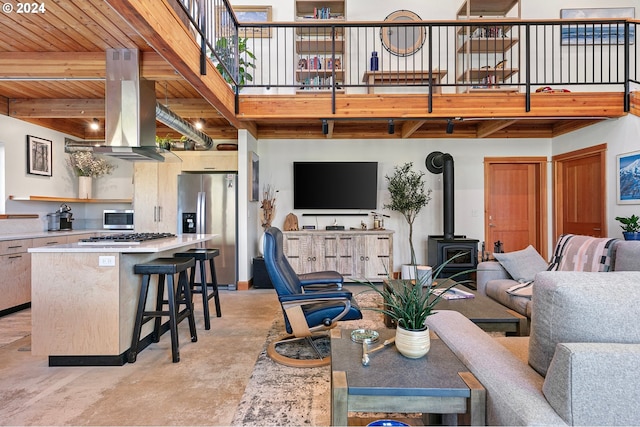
(410, 302)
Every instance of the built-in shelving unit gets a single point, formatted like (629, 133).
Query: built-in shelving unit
(65, 199)
(485, 53)
(319, 50)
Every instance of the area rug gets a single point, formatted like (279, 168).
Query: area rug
(279, 395)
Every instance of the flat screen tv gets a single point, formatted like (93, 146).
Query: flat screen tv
(335, 185)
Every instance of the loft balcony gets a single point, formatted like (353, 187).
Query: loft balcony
(484, 76)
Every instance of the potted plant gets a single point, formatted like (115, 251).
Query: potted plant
(408, 196)
(408, 303)
(87, 166)
(630, 226)
(225, 54)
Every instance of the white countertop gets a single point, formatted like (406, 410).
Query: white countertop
(150, 246)
(38, 234)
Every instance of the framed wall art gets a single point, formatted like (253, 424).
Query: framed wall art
(39, 156)
(254, 177)
(588, 34)
(258, 14)
(628, 178)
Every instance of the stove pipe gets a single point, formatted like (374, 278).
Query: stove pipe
(437, 163)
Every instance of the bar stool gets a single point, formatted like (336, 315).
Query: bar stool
(201, 255)
(164, 267)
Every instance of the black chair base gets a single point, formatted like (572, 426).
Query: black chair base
(201, 256)
(164, 267)
(277, 357)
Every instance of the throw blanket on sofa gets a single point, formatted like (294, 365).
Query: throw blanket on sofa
(582, 253)
(574, 253)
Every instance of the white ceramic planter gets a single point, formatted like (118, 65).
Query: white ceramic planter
(413, 344)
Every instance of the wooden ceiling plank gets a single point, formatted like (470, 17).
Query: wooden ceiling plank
(57, 108)
(105, 30)
(490, 127)
(409, 127)
(178, 47)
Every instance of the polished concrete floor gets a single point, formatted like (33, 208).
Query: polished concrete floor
(204, 388)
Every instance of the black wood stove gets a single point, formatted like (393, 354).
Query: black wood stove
(444, 247)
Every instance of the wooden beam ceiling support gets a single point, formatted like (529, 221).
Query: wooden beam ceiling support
(4, 106)
(151, 19)
(82, 108)
(409, 127)
(634, 100)
(490, 127)
(414, 107)
(76, 65)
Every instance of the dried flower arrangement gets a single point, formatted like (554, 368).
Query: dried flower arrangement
(268, 205)
(84, 163)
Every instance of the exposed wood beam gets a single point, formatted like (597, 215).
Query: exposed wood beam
(408, 106)
(409, 127)
(82, 108)
(492, 126)
(4, 106)
(331, 124)
(76, 65)
(178, 47)
(634, 99)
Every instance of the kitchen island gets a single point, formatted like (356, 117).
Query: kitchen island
(84, 298)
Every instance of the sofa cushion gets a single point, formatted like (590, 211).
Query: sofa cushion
(523, 264)
(627, 257)
(589, 383)
(582, 307)
(497, 290)
(583, 253)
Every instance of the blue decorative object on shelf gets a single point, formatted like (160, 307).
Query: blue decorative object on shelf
(374, 61)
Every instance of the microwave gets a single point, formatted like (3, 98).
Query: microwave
(117, 219)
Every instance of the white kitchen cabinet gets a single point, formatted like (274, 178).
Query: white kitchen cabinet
(155, 197)
(357, 255)
(15, 267)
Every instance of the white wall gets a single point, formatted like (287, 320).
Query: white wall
(62, 183)
(248, 222)
(276, 168)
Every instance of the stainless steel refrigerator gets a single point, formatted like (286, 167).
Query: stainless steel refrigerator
(207, 204)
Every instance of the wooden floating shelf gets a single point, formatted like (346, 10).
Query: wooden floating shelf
(66, 199)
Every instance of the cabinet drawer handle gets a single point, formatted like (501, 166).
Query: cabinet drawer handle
(361, 258)
(15, 247)
(15, 256)
(52, 243)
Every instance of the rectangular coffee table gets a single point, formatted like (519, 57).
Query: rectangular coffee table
(435, 384)
(488, 314)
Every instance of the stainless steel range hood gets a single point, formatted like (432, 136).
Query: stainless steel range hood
(131, 114)
(130, 104)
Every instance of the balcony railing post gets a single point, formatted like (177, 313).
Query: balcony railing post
(627, 64)
(527, 67)
(430, 75)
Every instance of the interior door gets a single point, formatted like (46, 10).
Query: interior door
(515, 206)
(580, 192)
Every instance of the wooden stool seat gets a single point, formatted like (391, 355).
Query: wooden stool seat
(201, 256)
(164, 267)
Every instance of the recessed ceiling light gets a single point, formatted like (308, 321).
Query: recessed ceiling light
(95, 124)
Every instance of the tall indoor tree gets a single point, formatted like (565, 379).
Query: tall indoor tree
(408, 196)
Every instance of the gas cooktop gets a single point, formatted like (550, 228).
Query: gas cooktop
(123, 239)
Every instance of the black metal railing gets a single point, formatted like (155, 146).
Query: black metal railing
(447, 56)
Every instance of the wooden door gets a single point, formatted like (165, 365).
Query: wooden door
(579, 192)
(515, 203)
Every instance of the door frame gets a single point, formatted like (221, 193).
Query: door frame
(540, 162)
(558, 163)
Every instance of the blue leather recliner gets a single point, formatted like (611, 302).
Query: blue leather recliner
(306, 314)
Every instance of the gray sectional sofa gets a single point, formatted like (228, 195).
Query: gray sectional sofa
(583, 353)
(601, 255)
